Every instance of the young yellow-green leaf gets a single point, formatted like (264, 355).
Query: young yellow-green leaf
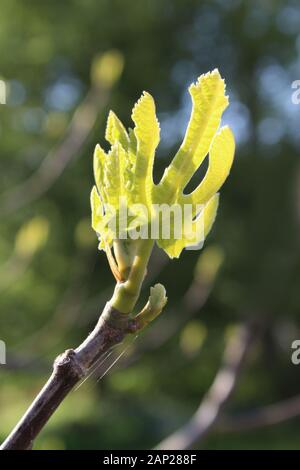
(116, 132)
(100, 220)
(195, 233)
(112, 180)
(147, 136)
(99, 164)
(209, 102)
(220, 161)
(126, 171)
(97, 210)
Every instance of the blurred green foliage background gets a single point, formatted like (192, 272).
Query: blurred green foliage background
(54, 282)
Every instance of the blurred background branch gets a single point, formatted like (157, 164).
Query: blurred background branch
(269, 415)
(218, 394)
(106, 70)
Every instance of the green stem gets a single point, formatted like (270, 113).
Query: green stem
(126, 293)
(124, 251)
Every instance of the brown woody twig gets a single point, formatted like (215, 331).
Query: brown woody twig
(68, 369)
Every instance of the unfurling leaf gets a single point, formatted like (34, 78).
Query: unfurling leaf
(124, 175)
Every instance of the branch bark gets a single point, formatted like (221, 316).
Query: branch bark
(68, 369)
(73, 365)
